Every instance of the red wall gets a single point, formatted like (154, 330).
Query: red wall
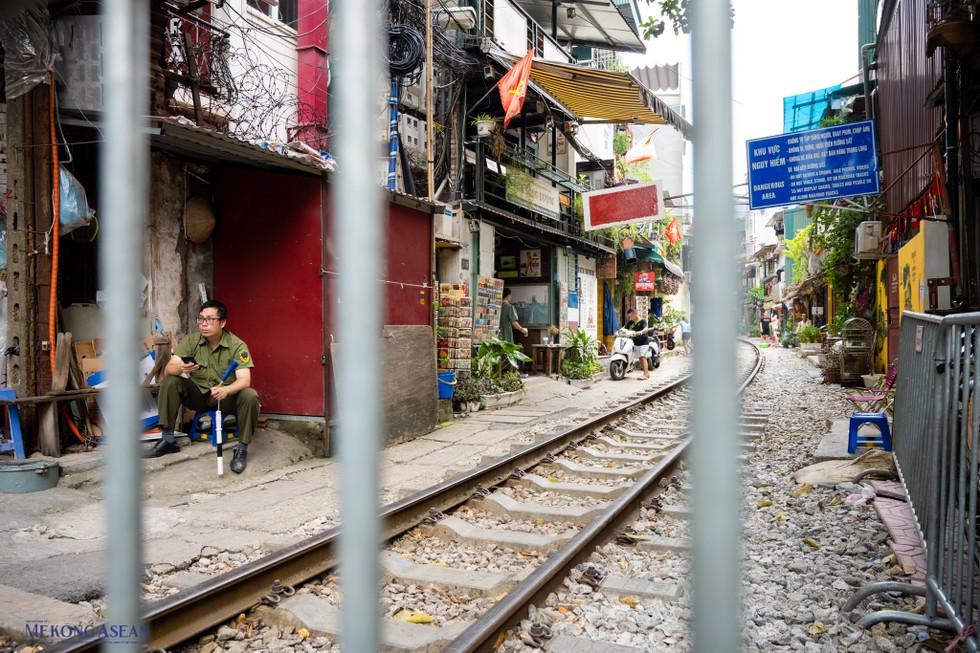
(267, 253)
(408, 260)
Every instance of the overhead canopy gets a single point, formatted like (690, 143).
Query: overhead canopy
(596, 24)
(601, 95)
(651, 255)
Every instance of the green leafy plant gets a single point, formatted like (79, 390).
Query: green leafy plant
(676, 12)
(467, 390)
(756, 293)
(798, 249)
(833, 239)
(483, 117)
(511, 382)
(495, 356)
(580, 356)
(809, 334)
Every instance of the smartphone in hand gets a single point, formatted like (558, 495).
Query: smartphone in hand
(189, 360)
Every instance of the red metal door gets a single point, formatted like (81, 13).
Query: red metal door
(267, 259)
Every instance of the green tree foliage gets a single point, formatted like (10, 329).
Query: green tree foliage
(833, 238)
(798, 249)
(675, 12)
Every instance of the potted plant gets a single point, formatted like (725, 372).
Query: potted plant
(810, 338)
(495, 368)
(467, 393)
(580, 358)
(831, 366)
(485, 124)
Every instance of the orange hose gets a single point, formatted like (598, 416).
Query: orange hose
(56, 211)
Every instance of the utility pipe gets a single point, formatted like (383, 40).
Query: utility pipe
(55, 228)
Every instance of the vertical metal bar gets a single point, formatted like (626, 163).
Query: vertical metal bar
(716, 525)
(123, 174)
(358, 217)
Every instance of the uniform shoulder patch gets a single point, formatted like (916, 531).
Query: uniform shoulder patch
(243, 357)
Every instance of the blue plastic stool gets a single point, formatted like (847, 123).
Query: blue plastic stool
(16, 438)
(884, 437)
(229, 430)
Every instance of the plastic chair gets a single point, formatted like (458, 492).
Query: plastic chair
(199, 431)
(883, 437)
(876, 400)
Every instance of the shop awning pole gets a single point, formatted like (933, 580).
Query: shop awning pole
(357, 218)
(123, 175)
(715, 526)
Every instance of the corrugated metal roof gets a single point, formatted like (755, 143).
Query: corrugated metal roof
(597, 24)
(184, 137)
(659, 78)
(602, 95)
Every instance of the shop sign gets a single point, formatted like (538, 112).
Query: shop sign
(632, 204)
(645, 281)
(534, 194)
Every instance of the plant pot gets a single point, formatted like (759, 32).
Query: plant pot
(485, 127)
(580, 383)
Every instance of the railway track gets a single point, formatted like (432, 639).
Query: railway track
(543, 511)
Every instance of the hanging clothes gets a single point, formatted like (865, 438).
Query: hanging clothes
(610, 324)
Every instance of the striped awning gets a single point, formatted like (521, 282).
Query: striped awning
(601, 96)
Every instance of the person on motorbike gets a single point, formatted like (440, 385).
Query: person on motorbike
(641, 341)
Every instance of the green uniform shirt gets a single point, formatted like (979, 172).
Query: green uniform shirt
(507, 316)
(214, 363)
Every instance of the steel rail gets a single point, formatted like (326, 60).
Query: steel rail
(179, 617)
(485, 632)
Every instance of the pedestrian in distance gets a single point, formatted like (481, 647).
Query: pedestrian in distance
(686, 335)
(641, 341)
(508, 319)
(193, 379)
(765, 326)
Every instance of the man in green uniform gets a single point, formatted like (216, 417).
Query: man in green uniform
(193, 379)
(508, 319)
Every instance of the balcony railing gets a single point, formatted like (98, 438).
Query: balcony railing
(528, 187)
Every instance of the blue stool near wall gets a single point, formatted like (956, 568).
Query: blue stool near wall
(229, 428)
(883, 437)
(14, 439)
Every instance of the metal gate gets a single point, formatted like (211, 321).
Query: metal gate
(935, 450)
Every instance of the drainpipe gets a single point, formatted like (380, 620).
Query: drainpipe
(951, 107)
(866, 74)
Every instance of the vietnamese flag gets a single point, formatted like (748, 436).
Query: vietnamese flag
(673, 231)
(513, 87)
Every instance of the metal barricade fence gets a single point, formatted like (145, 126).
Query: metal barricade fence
(936, 453)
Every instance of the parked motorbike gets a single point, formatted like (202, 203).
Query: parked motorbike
(670, 341)
(623, 360)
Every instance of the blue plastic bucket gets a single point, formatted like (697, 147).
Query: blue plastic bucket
(447, 380)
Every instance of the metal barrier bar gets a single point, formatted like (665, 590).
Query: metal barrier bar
(937, 452)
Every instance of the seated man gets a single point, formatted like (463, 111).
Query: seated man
(193, 379)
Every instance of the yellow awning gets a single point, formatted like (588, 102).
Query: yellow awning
(602, 95)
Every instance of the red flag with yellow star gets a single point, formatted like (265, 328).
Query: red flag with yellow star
(673, 231)
(513, 87)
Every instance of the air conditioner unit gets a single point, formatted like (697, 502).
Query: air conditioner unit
(867, 241)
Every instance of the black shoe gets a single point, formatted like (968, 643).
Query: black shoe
(162, 448)
(238, 461)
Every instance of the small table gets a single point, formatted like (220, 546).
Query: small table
(543, 356)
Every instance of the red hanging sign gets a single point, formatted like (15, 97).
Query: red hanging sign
(644, 281)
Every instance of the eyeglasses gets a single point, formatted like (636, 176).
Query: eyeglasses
(208, 320)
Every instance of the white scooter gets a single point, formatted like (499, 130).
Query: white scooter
(624, 361)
